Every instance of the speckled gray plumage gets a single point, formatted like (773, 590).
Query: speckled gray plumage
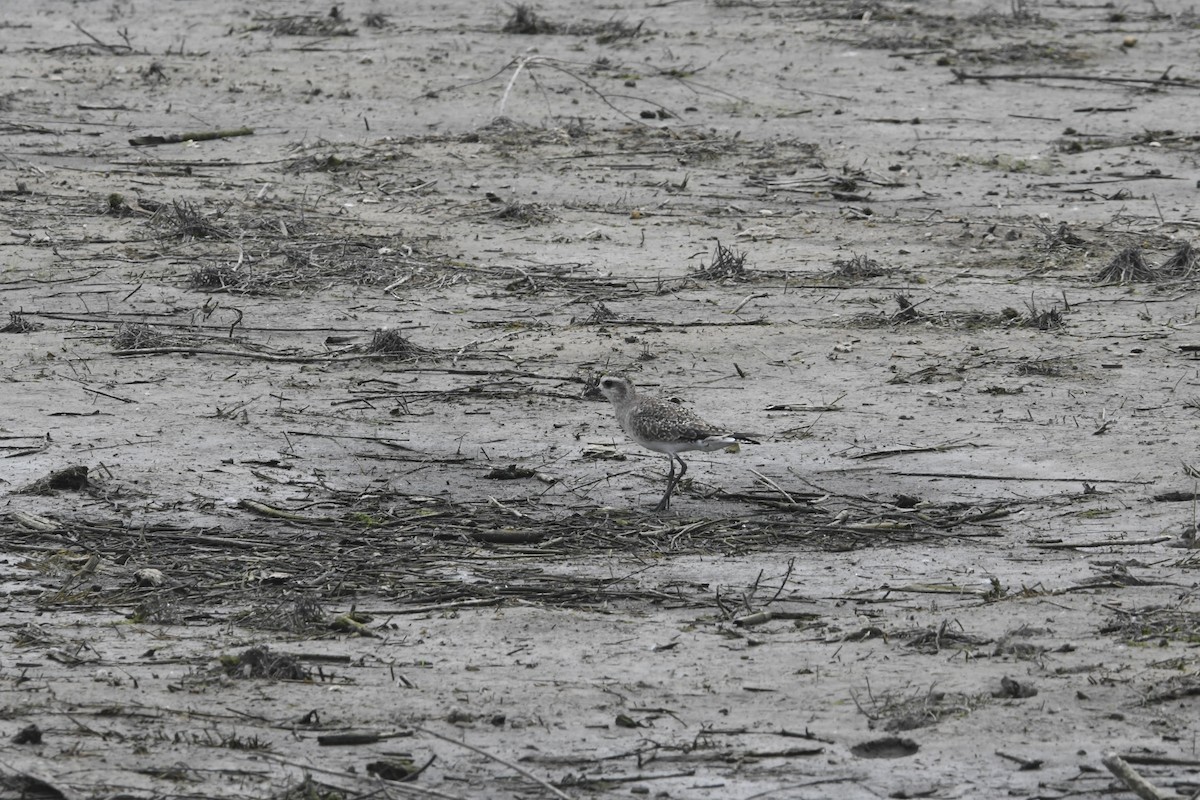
(664, 427)
(659, 425)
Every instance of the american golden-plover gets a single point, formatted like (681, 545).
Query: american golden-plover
(666, 428)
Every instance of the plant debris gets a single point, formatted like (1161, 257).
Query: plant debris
(1182, 265)
(858, 268)
(183, 220)
(527, 22)
(139, 336)
(1128, 265)
(727, 265)
(262, 662)
(68, 479)
(224, 278)
(389, 341)
(524, 213)
(19, 323)
(332, 24)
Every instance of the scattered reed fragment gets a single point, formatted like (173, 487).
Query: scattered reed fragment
(908, 311)
(224, 278)
(157, 609)
(933, 640)
(391, 342)
(118, 206)
(1128, 265)
(527, 22)
(261, 662)
(525, 213)
(68, 479)
(18, 323)
(859, 268)
(727, 264)
(1062, 239)
(318, 162)
(303, 614)
(183, 220)
(1044, 319)
(332, 24)
(611, 31)
(905, 710)
(1182, 264)
(138, 336)
(601, 314)
(1154, 623)
(524, 20)
(1052, 367)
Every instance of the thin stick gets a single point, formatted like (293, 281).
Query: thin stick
(499, 760)
(195, 136)
(1136, 783)
(747, 300)
(961, 76)
(792, 786)
(1116, 543)
(933, 448)
(986, 477)
(521, 62)
(1026, 763)
(404, 789)
(105, 45)
(106, 394)
(773, 485)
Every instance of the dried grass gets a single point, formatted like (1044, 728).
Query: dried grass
(262, 662)
(905, 710)
(858, 268)
(158, 609)
(139, 336)
(527, 22)
(19, 323)
(1053, 367)
(319, 162)
(524, 213)
(390, 341)
(303, 615)
(183, 220)
(1182, 265)
(1061, 239)
(404, 550)
(934, 640)
(611, 31)
(331, 24)
(68, 479)
(1128, 265)
(223, 278)
(601, 314)
(1156, 624)
(363, 262)
(727, 265)
(1043, 319)
(908, 313)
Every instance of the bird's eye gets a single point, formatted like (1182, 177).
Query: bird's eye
(606, 383)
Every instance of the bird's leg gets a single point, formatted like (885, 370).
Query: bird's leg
(665, 503)
(672, 481)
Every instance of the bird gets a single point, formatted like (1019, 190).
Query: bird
(666, 428)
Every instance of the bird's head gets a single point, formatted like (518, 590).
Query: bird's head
(616, 389)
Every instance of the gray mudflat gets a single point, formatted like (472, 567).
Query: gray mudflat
(327, 355)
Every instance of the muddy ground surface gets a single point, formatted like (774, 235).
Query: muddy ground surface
(306, 488)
